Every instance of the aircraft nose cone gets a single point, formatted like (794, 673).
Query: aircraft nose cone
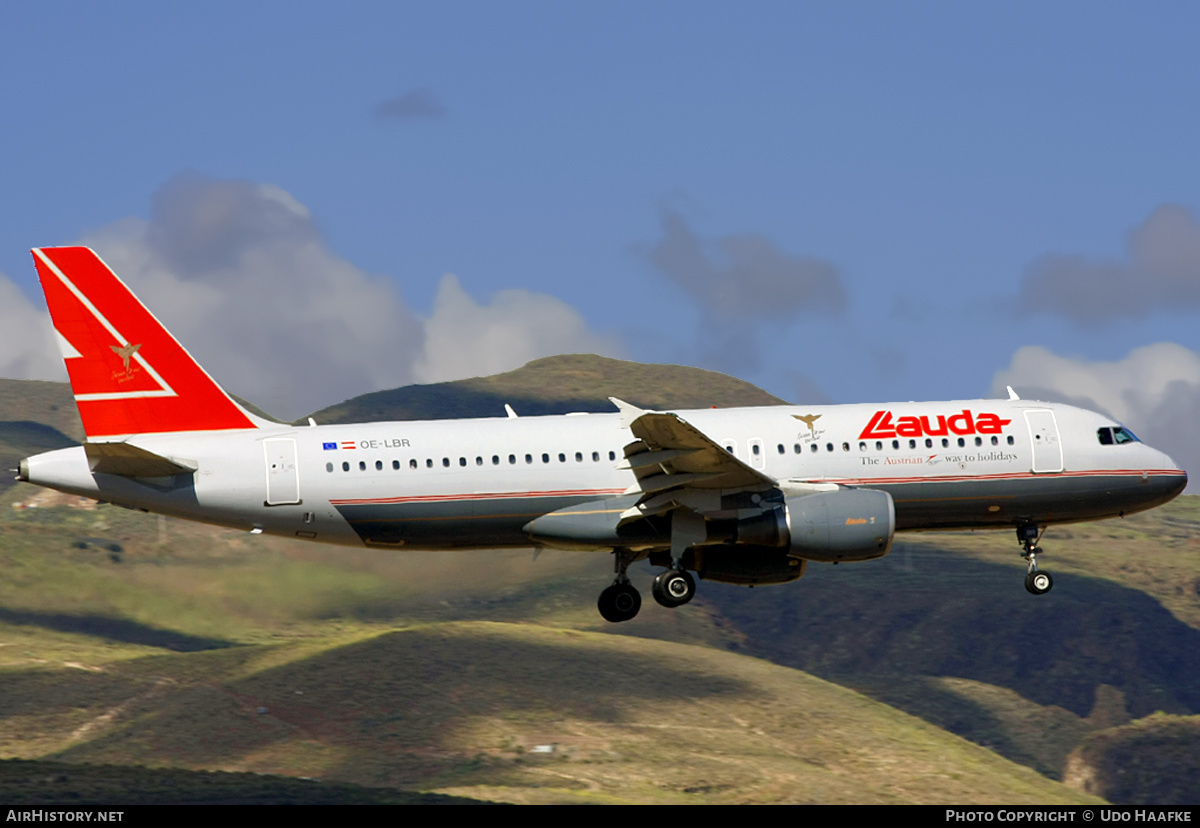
(1183, 481)
(1166, 487)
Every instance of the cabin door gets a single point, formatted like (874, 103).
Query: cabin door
(283, 476)
(1043, 435)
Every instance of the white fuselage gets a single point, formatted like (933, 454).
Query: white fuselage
(477, 483)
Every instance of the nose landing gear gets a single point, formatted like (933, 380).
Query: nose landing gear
(1037, 582)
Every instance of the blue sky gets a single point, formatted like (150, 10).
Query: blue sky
(839, 202)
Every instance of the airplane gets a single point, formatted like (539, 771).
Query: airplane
(738, 495)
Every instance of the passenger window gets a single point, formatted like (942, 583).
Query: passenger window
(362, 465)
(528, 458)
(396, 465)
(329, 467)
(412, 464)
(345, 467)
(579, 457)
(595, 457)
(845, 446)
(545, 458)
(378, 465)
(782, 450)
(512, 459)
(446, 462)
(462, 461)
(912, 444)
(562, 458)
(862, 446)
(495, 459)
(979, 441)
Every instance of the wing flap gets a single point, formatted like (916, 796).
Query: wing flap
(678, 466)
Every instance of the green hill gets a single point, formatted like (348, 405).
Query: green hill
(553, 385)
(129, 639)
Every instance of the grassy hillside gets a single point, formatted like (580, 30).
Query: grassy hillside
(41, 784)
(198, 648)
(553, 385)
(48, 403)
(131, 639)
(35, 416)
(1155, 761)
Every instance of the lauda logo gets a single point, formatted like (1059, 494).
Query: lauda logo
(965, 423)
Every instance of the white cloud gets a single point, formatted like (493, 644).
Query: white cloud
(239, 274)
(412, 105)
(466, 339)
(27, 346)
(739, 282)
(1162, 271)
(746, 275)
(1155, 390)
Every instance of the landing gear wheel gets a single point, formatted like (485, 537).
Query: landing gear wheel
(1039, 583)
(619, 602)
(1036, 581)
(673, 588)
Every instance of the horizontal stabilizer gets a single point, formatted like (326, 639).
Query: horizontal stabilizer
(131, 461)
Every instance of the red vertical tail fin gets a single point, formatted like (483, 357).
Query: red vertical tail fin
(129, 375)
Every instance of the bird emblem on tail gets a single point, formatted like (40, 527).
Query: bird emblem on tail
(125, 352)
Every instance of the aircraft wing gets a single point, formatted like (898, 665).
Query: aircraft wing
(676, 465)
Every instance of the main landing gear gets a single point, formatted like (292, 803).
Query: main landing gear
(673, 587)
(1036, 581)
(621, 601)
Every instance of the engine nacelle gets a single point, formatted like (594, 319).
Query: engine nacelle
(846, 525)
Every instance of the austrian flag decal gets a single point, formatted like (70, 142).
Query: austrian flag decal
(964, 423)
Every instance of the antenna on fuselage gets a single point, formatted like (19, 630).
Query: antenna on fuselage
(508, 409)
(1012, 395)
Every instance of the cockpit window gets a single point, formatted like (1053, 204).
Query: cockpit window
(1116, 436)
